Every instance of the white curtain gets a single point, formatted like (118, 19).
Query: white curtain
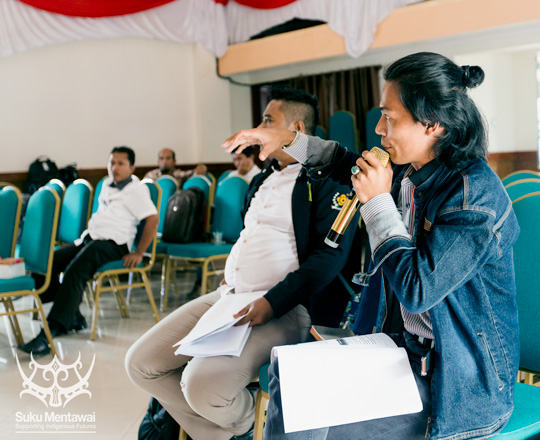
(23, 27)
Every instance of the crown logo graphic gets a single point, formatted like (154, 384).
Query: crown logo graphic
(55, 384)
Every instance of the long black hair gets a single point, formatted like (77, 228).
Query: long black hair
(434, 89)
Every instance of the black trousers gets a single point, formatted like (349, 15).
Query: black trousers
(79, 264)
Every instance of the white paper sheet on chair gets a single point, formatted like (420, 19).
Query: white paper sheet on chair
(336, 382)
(215, 334)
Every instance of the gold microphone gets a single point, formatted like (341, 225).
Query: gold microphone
(350, 207)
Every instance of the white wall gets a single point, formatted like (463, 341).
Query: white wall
(507, 98)
(74, 102)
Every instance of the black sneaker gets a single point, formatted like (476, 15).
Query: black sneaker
(78, 323)
(39, 346)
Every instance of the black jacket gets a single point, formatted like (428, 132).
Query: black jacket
(315, 284)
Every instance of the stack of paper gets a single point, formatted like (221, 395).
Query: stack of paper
(215, 334)
(340, 381)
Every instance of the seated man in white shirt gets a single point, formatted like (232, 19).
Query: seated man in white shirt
(123, 203)
(245, 164)
(281, 251)
(167, 167)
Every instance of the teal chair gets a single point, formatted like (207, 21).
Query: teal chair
(230, 195)
(372, 119)
(168, 185)
(112, 271)
(75, 212)
(519, 175)
(97, 192)
(261, 402)
(37, 247)
(206, 185)
(58, 186)
(522, 187)
(342, 129)
(525, 420)
(223, 176)
(10, 207)
(320, 132)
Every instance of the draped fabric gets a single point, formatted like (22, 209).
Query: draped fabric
(213, 23)
(23, 27)
(356, 91)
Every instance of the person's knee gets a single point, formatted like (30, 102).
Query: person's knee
(136, 365)
(203, 396)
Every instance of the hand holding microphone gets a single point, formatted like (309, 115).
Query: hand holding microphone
(351, 206)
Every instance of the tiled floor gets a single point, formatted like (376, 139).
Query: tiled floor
(115, 407)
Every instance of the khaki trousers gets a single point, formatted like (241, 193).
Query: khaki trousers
(208, 396)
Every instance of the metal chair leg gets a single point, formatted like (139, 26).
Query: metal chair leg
(150, 295)
(45, 324)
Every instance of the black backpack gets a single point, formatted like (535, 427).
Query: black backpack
(158, 424)
(69, 174)
(40, 172)
(185, 216)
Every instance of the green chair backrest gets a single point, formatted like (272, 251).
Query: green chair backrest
(201, 182)
(97, 191)
(223, 176)
(230, 195)
(372, 119)
(155, 195)
(519, 175)
(58, 186)
(39, 230)
(527, 269)
(75, 210)
(342, 129)
(320, 132)
(522, 187)
(10, 207)
(168, 185)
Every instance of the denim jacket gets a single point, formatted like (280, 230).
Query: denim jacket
(458, 266)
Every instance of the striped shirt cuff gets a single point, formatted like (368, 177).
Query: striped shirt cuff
(382, 202)
(299, 150)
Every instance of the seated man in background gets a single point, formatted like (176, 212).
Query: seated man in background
(245, 164)
(281, 251)
(167, 166)
(123, 203)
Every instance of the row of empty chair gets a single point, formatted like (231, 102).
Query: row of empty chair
(342, 129)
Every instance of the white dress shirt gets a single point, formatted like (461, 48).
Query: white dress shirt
(119, 213)
(266, 250)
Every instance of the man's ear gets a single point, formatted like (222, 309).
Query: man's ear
(298, 126)
(434, 129)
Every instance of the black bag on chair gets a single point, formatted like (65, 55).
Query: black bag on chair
(40, 172)
(158, 424)
(184, 219)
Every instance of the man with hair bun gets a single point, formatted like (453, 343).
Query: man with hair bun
(441, 229)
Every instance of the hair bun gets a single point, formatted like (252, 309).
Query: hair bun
(472, 76)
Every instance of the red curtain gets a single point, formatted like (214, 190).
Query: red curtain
(265, 4)
(95, 8)
(109, 8)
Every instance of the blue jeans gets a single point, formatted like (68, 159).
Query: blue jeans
(405, 427)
